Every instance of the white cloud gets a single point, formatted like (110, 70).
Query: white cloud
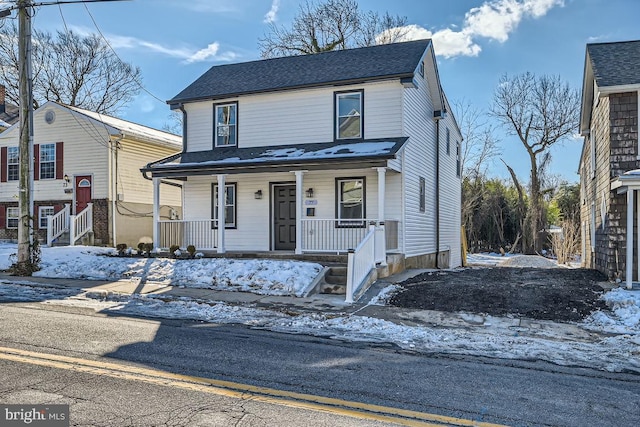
(188, 54)
(203, 54)
(494, 20)
(272, 15)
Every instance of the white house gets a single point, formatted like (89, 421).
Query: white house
(311, 150)
(86, 177)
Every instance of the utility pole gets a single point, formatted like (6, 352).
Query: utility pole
(25, 148)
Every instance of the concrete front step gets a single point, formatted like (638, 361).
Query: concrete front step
(335, 281)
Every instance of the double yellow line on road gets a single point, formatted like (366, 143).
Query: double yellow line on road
(238, 391)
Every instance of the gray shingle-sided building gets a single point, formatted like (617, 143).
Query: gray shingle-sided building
(610, 160)
(312, 150)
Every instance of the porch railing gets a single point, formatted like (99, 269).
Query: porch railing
(360, 262)
(57, 224)
(336, 236)
(80, 224)
(203, 234)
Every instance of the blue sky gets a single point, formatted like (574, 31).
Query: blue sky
(175, 41)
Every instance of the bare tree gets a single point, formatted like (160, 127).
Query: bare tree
(479, 145)
(330, 25)
(540, 111)
(71, 69)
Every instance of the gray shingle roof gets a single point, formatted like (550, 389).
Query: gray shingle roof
(10, 115)
(615, 64)
(254, 158)
(342, 66)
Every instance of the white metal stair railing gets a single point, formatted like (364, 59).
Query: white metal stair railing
(360, 262)
(80, 224)
(57, 224)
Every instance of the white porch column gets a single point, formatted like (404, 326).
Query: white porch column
(380, 236)
(629, 260)
(156, 213)
(299, 192)
(221, 212)
(381, 192)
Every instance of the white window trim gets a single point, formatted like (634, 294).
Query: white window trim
(351, 222)
(234, 204)
(422, 191)
(40, 209)
(215, 124)
(16, 217)
(361, 115)
(40, 162)
(17, 163)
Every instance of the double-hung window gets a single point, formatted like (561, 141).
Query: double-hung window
(43, 213)
(229, 205)
(47, 161)
(13, 164)
(348, 109)
(226, 125)
(350, 202)
(13, 214)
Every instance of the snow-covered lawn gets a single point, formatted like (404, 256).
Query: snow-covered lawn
(260, 276)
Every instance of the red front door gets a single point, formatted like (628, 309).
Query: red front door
(82, 192)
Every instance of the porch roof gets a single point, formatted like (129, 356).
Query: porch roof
(334, 155)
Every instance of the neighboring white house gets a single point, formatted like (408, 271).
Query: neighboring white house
(311, 150)
(86, 167)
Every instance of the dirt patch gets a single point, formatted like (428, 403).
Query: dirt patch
(539, 293)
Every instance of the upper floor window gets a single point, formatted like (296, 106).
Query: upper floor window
(349, 115)
(350, 202)
(421, 69)
(47, 161)
(592, 143)
(226, 125)
(448, 142)
(13, 164)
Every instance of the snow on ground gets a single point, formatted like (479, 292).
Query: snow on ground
(614, 353)
(535, 261)
(610, 340)
(260, 276)
(485, 259)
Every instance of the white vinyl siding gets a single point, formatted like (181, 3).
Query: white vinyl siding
(419, 160)
(85, 153)
(297, 117)
(450, 193)
(254, 222)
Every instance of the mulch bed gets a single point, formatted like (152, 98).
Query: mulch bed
(539, 293)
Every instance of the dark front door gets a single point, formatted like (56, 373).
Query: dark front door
(284, 217)
(82, 192)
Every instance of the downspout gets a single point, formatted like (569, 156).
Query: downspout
(114, 189)
(180, 107)
(438, 192)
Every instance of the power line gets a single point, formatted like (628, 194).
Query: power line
(135, 79)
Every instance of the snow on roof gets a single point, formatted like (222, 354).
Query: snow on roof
(129, 128)
(271, 155)
(4, 124)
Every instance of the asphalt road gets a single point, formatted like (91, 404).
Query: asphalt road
(130, 371)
